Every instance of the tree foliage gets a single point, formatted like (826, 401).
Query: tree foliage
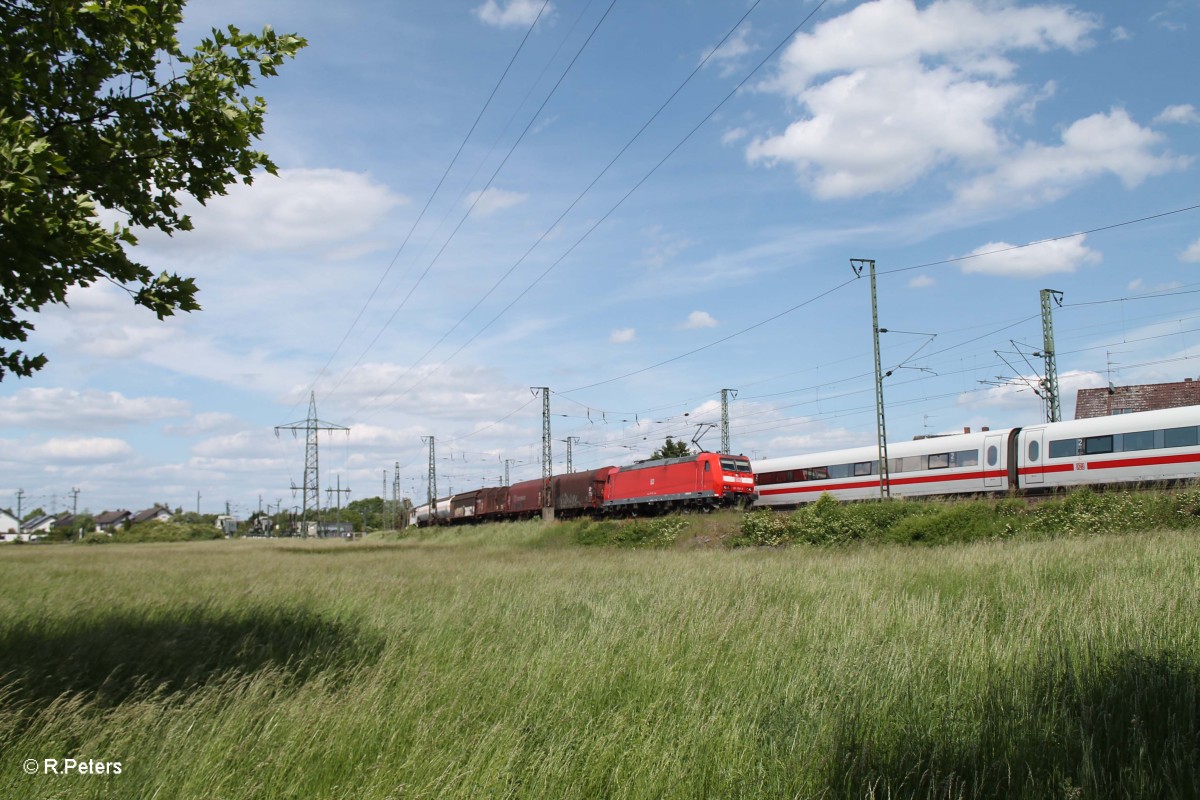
(672, 448)
(100, 109)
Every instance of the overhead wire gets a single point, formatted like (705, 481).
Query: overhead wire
(428, 201)
(622, 200)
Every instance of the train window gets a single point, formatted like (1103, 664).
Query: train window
(735, 465)
(1095, 445)
(993, 455)
(1064, 448)
(939, 461)
(708, 466)
(865, 468)
(841, 470)
(1033, 450)
(1181, 437)
(816, 474)
(964, 458)
(1140, 440)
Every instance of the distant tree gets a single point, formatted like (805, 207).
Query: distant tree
(671, 449)
(367, 514)
(101, 109)
(37, 512)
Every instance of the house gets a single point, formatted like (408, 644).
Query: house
(10, 527)
(38, 526)
(1110, 400)
(109, 521)
(160, 513)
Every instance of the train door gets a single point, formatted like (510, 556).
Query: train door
(993, 462)
(1033, 457)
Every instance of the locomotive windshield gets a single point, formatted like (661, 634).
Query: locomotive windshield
(735, 465)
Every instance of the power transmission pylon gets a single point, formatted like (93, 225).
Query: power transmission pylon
(1053, 401)
(312, 478)
(885, 489)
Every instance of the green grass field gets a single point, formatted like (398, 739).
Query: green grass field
(503, 662)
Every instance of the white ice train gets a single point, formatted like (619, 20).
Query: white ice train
(1138, 448)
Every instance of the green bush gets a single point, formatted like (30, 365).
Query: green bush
(953, 522)
(645, 532)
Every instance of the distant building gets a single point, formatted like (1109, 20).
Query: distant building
(1111, 400)
(8, 522)
(111, 520)
(160, 513)
(38, 525)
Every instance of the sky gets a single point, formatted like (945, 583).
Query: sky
(637, 205)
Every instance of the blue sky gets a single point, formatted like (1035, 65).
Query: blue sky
(638, 274)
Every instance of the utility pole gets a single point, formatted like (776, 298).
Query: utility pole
(1053, 401)
(74, 501)
(569, 440)
(197, 501)
(312, 478)
(885, 489)
(431, 484)
(725, 395)
(507, 461)
(547, 454)
(337, 519)
(20, 495)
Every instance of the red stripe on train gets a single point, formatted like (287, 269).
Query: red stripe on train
(938, 478)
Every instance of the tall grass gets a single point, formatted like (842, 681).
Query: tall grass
(510, 662)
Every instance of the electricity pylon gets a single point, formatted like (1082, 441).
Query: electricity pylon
(312, 478)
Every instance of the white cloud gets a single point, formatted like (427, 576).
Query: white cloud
(622, 335)
(1045, 258)
(729, 55)
(71, 408)
(296, 210)
(1018, 393)
(514, 13)
(1192, 253)
(1109, 143)
(206, 422)
(491, 200)
(880, 129)
(1179, 115)
(699, 319)
(892, 92)
(1120, 34)
(664, 247)
(921, 282)
(89, 450)
(969, 35)
(733, 135)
